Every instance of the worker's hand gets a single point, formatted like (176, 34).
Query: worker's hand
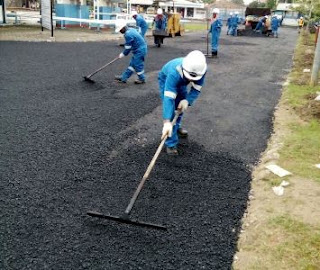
(121, 55)
(166, 130)
(183, 105)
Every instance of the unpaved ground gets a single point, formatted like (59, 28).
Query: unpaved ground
(34, 34)
(69, 147)
(300, 201)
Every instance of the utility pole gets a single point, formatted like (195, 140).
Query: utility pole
(316, 64)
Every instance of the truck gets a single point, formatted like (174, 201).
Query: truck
(253, 15)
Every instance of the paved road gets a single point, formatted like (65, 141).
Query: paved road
(68, 147)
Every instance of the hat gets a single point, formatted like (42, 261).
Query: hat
(119, 25)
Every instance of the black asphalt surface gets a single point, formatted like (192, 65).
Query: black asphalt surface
(68, 147)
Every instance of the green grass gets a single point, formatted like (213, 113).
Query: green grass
(301, 150)
(296, 243)
(296, 94)
(195, 26)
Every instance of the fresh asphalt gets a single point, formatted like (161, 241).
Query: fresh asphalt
(68, 147)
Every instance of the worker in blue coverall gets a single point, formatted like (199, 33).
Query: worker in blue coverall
(229, 20)
(275, 23)
(234, 24)
(141, 23)
(174, 78)
(215, 30)
(160, 24)
(133, 42)
(261, 24)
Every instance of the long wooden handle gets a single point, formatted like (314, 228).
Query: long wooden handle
(103, 67)
(150, 167)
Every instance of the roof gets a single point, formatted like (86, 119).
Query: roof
(224, 4)
(142, 2)
(182, 3)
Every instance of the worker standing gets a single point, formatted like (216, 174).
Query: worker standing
(229, 23)
(234, 24)
(174, 78)
(215, 30)
(133, 42)
(300, 24)
(275, 25)
(140, 22)
(160, 24)
(261, 24)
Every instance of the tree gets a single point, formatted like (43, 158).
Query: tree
(208, 1)
(256, 4)
(272, 4)
(238, 2)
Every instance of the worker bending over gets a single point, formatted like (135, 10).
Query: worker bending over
(174, 78)
(215, 30)
(261, 24)
(133, 42)
(140, 22)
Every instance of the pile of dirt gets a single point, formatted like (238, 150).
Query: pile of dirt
(311, 109)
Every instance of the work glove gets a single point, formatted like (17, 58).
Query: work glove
(121, 55)
(183, 105)
(167, 129)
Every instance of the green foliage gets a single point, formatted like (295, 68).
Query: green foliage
(272, 4)
(256, 4)
(238, 2)
(208, 1)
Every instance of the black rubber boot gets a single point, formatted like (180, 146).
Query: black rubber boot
(118, 78)
(138, 81)
(172, 151)
(182, 133)
(214, 54)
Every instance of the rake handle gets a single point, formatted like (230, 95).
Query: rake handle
(103, 67)
(149, 169)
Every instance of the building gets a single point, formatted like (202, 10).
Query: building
(226, 7)
(187, 9)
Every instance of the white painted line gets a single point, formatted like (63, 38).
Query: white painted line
(278, 170)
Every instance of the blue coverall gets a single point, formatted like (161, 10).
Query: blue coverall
(134, 42)
(274, 26)
(173, 89)
(215, 30)
(160, 22)
(260, 24)
(234, 25)
(229, 24)
(140, 22)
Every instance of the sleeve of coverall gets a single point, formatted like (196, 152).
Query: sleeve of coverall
(195, 90)
(127, 45)
(169, 96)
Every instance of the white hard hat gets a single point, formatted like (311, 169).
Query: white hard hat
(231, 13)
(301, 17)
(216, 10)
(266, 16)
(120, 24)
(194, 65)
(133, 13)
(237, 12)
(159, 11)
